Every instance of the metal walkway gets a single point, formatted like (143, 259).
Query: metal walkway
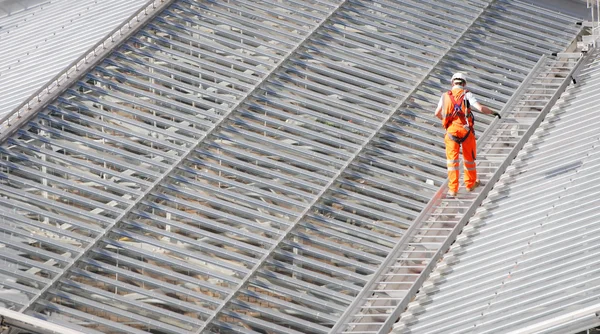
(435, 230)
(242, 167)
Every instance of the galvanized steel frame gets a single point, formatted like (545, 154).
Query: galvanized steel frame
(81, 65)
(176, 163)
(376, 123)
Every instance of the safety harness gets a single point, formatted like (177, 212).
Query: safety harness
(457, 111)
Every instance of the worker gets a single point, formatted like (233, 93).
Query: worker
(454, 110)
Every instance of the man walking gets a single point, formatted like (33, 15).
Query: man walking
(454, 109)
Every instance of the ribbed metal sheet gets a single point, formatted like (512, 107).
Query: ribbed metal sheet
(39, 42)
(530, 253)
(245, 166)
(12, 7)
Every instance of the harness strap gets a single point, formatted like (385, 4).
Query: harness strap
(457, 105)
(468, 115)
(459, 140)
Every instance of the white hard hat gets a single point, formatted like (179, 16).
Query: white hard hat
(459, 76)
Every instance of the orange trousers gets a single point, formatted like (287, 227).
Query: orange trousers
(469, 149)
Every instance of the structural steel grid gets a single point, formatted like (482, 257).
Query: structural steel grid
(247, 167)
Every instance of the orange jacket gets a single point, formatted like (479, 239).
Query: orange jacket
(456, 120)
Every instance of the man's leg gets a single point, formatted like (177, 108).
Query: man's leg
(469, 147)
(452, 149)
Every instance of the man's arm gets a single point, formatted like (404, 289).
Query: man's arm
(483, 108)
(438, 112)
(486, 110)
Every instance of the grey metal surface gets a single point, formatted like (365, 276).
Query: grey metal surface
(40, 40)
(529, 254)
(245, 166)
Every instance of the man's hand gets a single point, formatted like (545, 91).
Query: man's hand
(496, 114)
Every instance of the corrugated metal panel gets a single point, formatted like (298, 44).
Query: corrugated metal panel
(530, 253)
(12, 7)
(244, 166)
(37, 43)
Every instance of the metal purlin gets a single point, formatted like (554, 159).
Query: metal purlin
(331, 182)
(54, 109)
(76, 66)
(166, 174)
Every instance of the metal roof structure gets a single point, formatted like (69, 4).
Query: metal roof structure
(528, 259)
(40, 40)
(247, 167)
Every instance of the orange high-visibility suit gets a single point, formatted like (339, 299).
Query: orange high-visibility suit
(458, 122)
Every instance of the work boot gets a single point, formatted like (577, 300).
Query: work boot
(452, 193)
(475, 185)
